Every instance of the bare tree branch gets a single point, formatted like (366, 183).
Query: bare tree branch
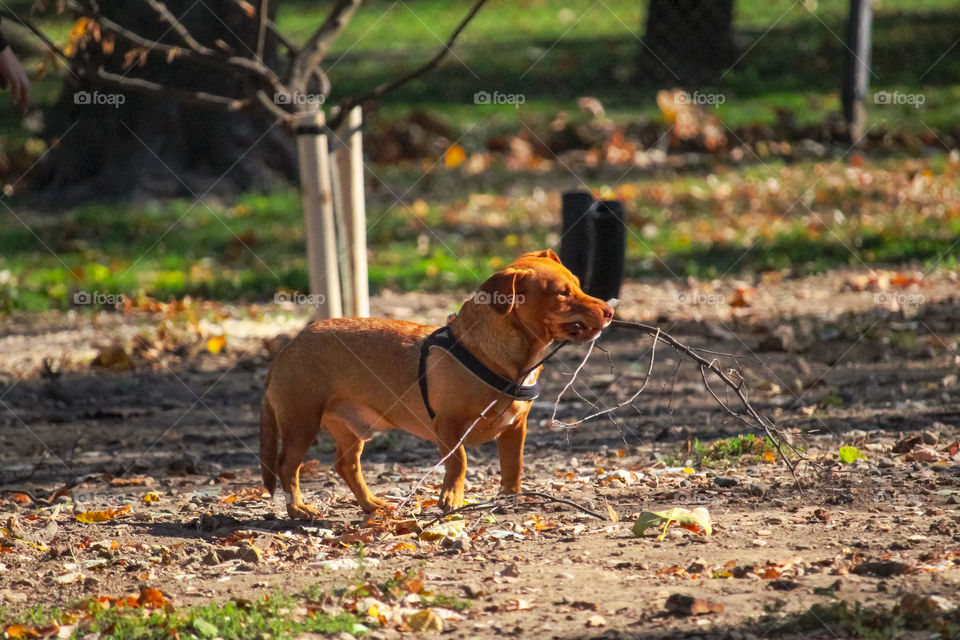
(387, 87)
(264, 17)
(199, 98)
(236, 64)
(773, 432)
(319, 44)
(275, 31)
(177, 27)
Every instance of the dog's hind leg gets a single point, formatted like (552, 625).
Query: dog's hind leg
(349, 448)
(295, 444)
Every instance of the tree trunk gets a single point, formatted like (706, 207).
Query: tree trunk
(688, 43)
(148, 146)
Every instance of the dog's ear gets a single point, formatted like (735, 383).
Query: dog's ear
(503, 290)
(546, 253)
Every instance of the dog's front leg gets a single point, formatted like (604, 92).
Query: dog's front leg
(451, 496)
(510, 447)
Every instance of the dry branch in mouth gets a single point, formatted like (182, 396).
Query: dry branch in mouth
(732, 378)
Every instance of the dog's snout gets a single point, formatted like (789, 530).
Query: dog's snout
(607, 313)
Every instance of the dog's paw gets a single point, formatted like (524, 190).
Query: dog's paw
(449, 500)
(302, 511)
(376, 504)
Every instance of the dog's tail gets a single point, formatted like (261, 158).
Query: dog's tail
(268, 444)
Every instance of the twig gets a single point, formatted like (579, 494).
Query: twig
(497, 501)
(483, 414)
(769, 428)
(199, 98)
(554, 423)
(274, 31)
(264, 18)
(573, 378)
(377, 92)
(178, 28)
(237, 64)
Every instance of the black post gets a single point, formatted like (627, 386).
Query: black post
(575, 238)
(856, 79)
(608, 244)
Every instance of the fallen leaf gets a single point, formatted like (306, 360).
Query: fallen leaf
(152, 496)
(426, 620)
(102, 516)
(151, 598)
(849, 454)
(907, 444)
(216, 344)
(697, 521)
(441, 530)
(454, 156)
(113, 358)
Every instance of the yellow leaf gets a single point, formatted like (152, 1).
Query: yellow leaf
(374, 611)
(102, 516)
(697, 520)
(420, 207)
(151, 497)
(216, 344)
(769, 456)
(426, 620)
(687, 470)
(441, 530)
(454, 156)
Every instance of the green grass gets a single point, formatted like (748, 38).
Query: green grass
(556, 51)
(726, 223)
(248, 248)
(736, 450)
(277, 617)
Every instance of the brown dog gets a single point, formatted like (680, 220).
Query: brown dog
(355, 376)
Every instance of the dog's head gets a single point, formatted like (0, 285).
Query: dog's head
(546, 298)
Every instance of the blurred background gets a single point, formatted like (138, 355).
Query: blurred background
(718, 123)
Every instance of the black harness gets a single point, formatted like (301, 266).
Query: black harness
(444, 339)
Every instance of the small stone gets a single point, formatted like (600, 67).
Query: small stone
(725, 482)
(698, 566)
(929, 437)
(758, 489)
(886, 463)
(211, 558)
(596, 621)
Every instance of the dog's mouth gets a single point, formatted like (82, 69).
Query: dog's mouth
(579, 331)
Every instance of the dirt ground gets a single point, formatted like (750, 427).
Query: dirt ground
(164, 431)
